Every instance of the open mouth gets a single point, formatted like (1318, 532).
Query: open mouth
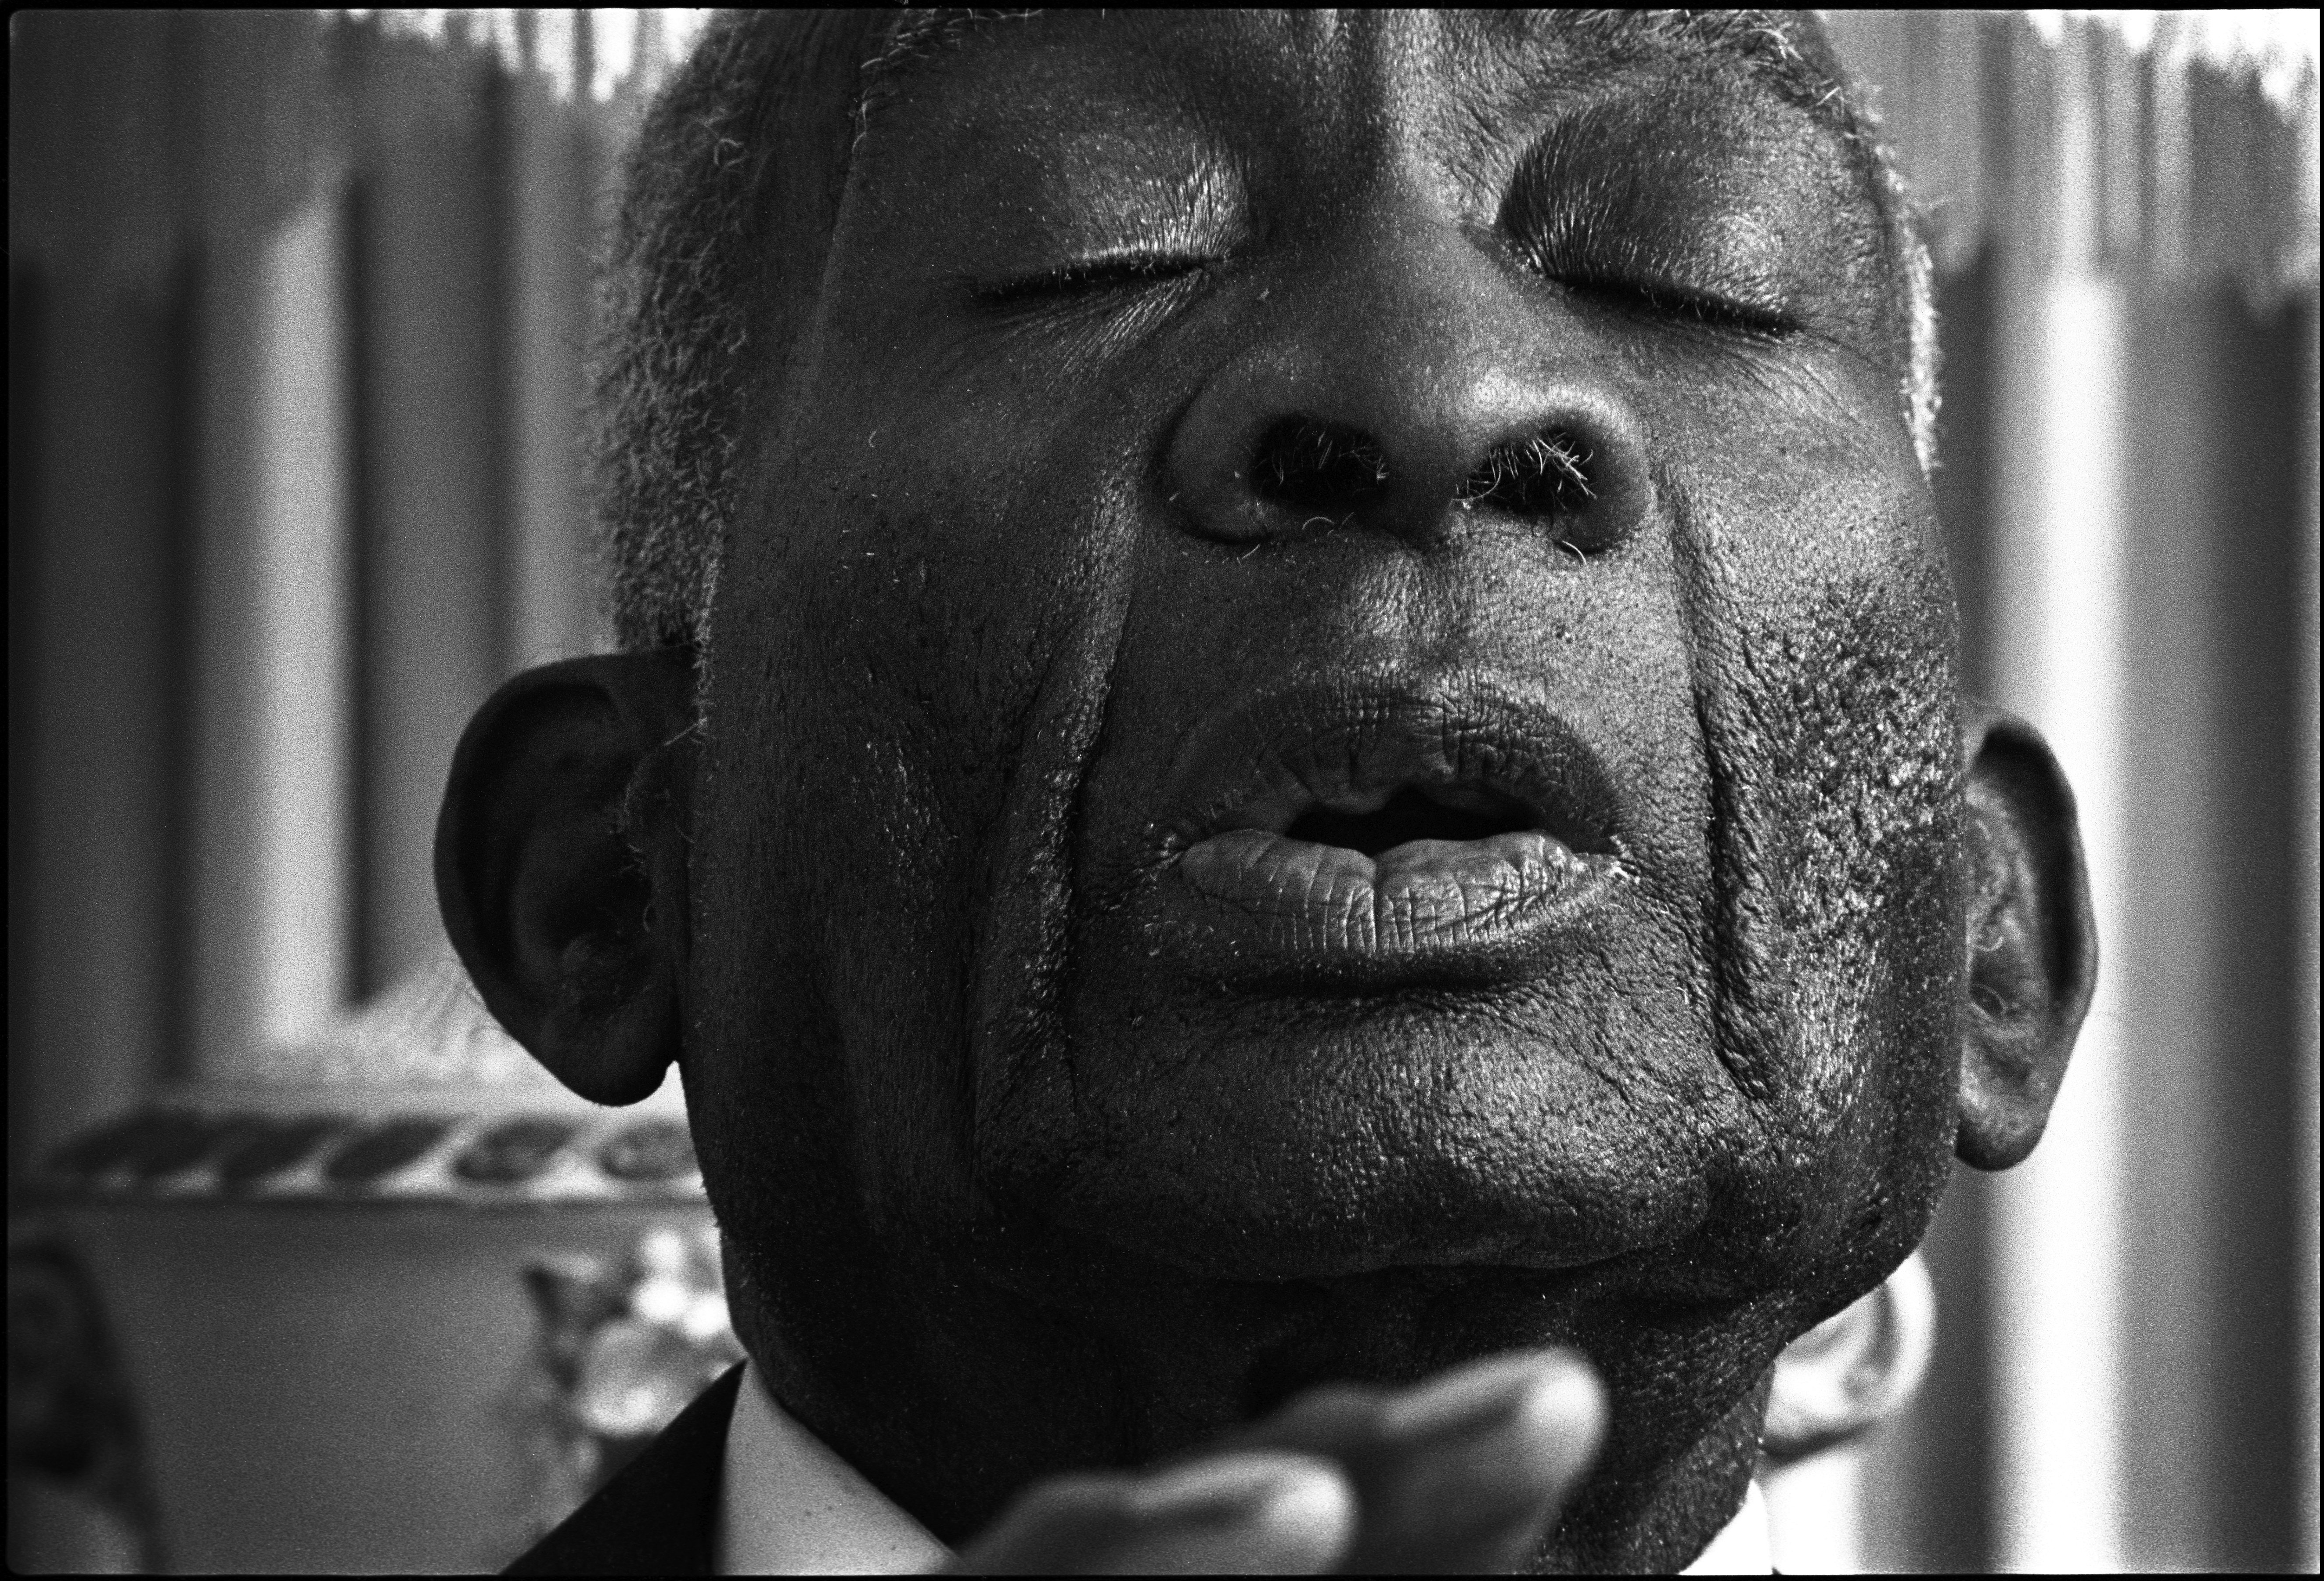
(1410, 859)
(1378, 832)
(1409, 813)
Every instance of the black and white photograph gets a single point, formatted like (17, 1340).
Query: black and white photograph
(909, 790)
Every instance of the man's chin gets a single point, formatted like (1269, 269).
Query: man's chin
(1312, 1139)
(1203, 1238)
(1237, 1185)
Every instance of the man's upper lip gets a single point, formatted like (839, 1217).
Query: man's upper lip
(1260, 764)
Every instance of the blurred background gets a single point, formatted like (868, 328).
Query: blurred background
(309, 1268)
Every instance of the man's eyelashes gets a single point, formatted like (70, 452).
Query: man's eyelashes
(1090, 277)
(1663, 300)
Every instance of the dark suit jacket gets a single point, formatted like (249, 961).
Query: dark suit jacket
(659, 1515)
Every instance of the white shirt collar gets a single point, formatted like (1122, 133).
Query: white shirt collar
(789, 1506)
(1744, 1546)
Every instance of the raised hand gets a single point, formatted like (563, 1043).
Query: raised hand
(1462, 1473)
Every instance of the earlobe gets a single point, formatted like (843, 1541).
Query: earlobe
(2032, 946)
(561, 865)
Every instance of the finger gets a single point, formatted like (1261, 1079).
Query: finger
(1462, 1472)
(1338, 1421)
(1249, 1513)
(1489, 1455)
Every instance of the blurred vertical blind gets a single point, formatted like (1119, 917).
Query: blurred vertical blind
(2124, 208)
(297, 310)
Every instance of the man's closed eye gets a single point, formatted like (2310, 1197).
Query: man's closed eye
(1092, 276)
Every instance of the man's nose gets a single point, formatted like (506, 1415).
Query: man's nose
(1409, 391)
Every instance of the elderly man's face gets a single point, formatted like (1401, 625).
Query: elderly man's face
(1332, 748)
(1228, 450)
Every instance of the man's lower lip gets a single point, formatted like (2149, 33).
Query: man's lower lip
(1249, 905)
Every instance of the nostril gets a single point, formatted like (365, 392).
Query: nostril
(1310, 465)
(1549, 473)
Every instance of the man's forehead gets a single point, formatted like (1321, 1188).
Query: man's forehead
(1784, 52)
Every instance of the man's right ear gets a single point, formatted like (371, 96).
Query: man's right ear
(560, 863)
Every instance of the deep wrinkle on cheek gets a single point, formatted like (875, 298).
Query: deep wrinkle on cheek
(1785, 603)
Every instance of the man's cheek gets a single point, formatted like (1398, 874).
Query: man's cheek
(937, 570)
(869, 707)
(1832, 751)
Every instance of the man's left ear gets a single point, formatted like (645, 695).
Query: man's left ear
(2032, 946)
(560, 864)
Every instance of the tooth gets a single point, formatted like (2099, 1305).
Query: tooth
(1359, 801)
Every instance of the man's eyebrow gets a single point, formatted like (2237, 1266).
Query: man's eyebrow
(1767, 42)
(919, 39)
(1770, 43)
